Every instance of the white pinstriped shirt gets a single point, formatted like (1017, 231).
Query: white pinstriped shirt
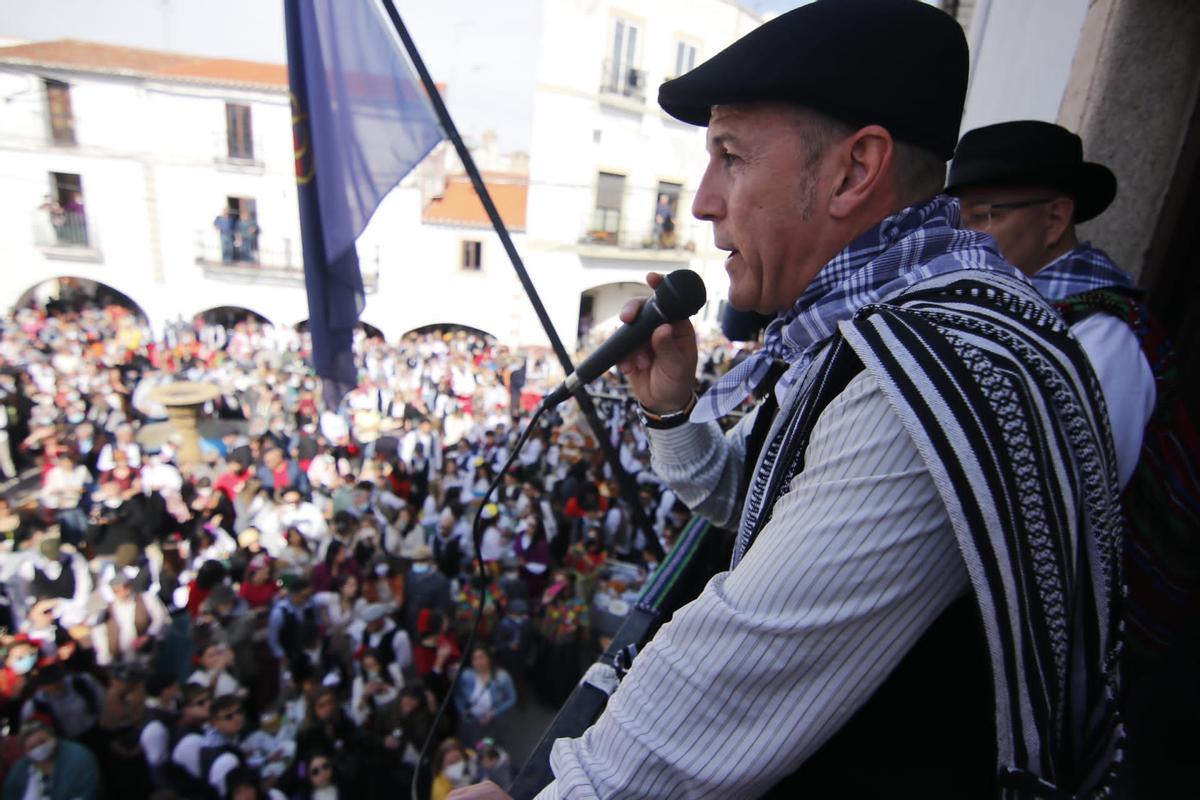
(752, 677)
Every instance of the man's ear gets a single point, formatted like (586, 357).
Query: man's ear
(864, 164)
(1060, 217)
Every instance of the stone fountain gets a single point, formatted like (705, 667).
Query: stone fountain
(183, 401)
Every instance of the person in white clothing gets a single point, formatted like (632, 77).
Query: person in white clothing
(1027, 185)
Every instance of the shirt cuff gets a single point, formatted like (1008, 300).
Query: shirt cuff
(688, 444)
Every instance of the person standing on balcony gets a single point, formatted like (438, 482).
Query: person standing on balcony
(76, 226)
(664, 222)
(226, 224)
(57, 217)
(247, 237)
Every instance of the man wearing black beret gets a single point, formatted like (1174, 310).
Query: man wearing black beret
(1027, 185)
(921, 595)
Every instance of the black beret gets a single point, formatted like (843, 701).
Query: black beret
(901, 64)
(1031, 152)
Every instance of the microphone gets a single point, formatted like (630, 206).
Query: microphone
(680, 295)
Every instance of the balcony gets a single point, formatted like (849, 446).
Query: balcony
(277, 262)
(65, 235)
(622, 85)
(638, 243)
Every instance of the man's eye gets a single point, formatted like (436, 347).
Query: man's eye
(729, 158)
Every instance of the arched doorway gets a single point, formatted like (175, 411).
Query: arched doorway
(452, 328)
(599, 308)
(230, 316)
(367, 328)
(69, 294)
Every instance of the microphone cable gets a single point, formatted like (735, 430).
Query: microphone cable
(477, 538)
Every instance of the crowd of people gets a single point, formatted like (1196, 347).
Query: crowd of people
(284, 616)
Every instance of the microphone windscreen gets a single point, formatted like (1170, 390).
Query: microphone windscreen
(680, 295)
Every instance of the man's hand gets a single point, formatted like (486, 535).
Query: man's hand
(662, 374)
(480, 791)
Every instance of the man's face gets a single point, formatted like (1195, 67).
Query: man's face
(229, 722)
(759, 191)
(1021, 233)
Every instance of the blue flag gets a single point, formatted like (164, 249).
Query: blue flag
(360, 123)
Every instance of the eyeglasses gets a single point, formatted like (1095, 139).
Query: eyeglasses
(318, 769)
(981, 215)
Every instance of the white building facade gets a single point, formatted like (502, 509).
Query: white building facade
(117, 163)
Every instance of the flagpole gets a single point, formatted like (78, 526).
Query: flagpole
(627, 484)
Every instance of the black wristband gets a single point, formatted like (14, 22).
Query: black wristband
(664, 422)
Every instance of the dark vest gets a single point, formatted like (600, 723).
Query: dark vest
(63, 586)
(928, 731)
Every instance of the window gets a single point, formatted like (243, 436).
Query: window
(472, 255)
(237, 131)
(666, 210)
(621, 75)
(606, 219)
(65, 208)
(58, 106)
(685, 58)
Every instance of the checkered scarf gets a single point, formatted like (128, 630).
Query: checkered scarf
(1081, 269)
(910, 246)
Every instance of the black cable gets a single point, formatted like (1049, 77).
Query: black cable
(477, 537)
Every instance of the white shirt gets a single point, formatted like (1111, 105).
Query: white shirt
(1125, 380)
(773, 657)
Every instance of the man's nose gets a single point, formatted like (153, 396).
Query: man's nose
(709, 202)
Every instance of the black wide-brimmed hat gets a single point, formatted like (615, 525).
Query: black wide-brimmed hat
(901, 64)
(1034, 153)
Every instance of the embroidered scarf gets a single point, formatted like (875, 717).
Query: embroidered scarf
(1010, 422)
(1081, 269)
(907, 247)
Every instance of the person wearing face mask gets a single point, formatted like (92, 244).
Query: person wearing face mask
(454, 767)
(426, 589)
(19, 663)
(52, 768)
(296, 512)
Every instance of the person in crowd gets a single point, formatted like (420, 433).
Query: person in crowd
(339, 561)
(321, 782)
(215, 660)
(53, 768)
(293, 628)
(258, 587)
(63, 495)
(485, 696)
(533, 551)
(69, 701)
(59, 574)
(182, 771)
(426, 588)
(453, 767)
(130, 625)
(376, 686)
(495, 765)
(376, 630)
(327, 729)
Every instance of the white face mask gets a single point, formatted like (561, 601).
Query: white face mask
(43, 752)
(456, 773)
